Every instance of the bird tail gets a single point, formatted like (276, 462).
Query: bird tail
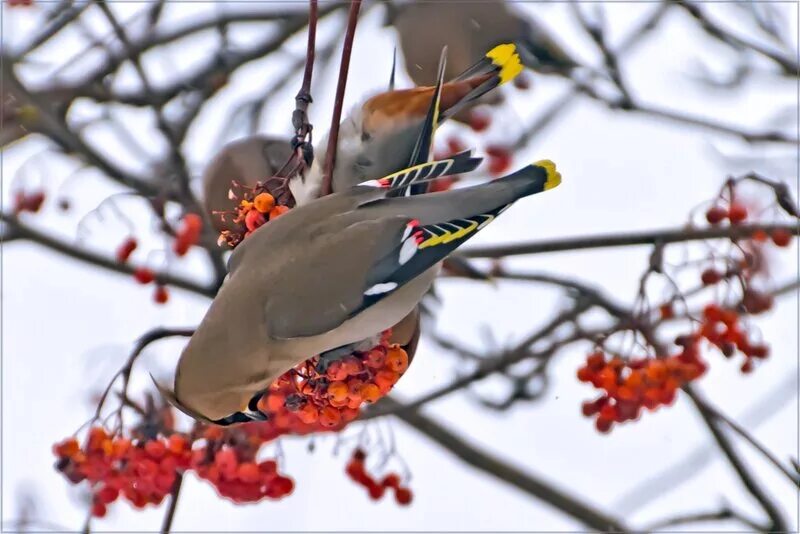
(501, 64)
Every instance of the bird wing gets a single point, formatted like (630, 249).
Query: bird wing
(319, 289)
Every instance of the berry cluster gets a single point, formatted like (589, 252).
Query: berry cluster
(228, 461)
(722, 328)
(188, 234)
(256, 206)
(736, 213)
(357, 472)
(632, 385)
(142, 472)
(24, 201)
(303, 400)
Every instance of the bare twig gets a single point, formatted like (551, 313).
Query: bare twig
(650, 237)
(778, 523)
(166, 525)
(24, 231)
(506, 472)
(333, 136)
(724, 514)
(793, 477)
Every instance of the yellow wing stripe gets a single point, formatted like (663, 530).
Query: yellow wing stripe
(448, 235)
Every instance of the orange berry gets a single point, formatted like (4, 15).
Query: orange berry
(352, 365)
(277, 211)
(376, 358)
(275, 401)
(397, 360)
(308, 414)
(385, 380)
(264, 202)
(336, 371)
(338, 391)
(329, 416)
(370, 392)
(67, 448)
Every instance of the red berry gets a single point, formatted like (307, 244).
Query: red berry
(375, 491)
(126, 249)
(737, 213)
(403, 496)
(603, 425)
(716, 214)
(391, 481)
(666, 311)
(479, 121)
(710, 277)
(254, 219)
(499, 165)
(161, 295)
(155, 448)
(143, 275)
(455, 145)
(781, 237)
(99, 509)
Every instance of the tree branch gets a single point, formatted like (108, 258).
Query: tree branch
(648, 237)
(778, 522)
(497, 468)
(23, 231)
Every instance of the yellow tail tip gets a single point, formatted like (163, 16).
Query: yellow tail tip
(505, 56)
(553, 176)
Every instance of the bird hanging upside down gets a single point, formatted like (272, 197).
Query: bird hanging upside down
(337, 271)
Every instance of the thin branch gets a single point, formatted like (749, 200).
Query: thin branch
(333, 136)
(793, 477)
(778, 522)
(725, 513)
(497, 468)
(649, 237)
(166, 526)
(23, 231)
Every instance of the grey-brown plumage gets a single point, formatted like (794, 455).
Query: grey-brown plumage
(336, 271)
(246, 161)
(471, 29)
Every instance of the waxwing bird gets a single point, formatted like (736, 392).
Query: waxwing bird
(378, 138)
(330, 274)
(246, 161)
(467, 29)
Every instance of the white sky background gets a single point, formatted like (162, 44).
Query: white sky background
(67, 328)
